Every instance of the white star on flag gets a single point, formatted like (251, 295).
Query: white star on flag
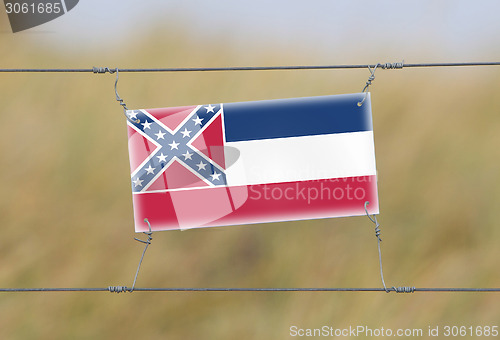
(187, 155)
(174, 145)
(186, 133)
(215, 176)
(160, 135)
(138, 182)
(210, 108)
(132, 114)
(150, 169)
(197, 120)
(201, 166)
(162, 157)
(147, 125)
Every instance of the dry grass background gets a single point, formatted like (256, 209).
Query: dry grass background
(66, 211)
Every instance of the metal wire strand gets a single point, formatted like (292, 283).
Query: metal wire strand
(377, 234)
(252, 68)
(102, 70)
(368, 83)
(119, 289)
(120, 100)
(147, 243)
(122, 289)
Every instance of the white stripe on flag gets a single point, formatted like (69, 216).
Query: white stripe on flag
(303, 158)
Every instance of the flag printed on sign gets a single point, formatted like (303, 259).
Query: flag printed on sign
(252, 162)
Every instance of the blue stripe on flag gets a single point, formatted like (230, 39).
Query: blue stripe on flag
(296, 117)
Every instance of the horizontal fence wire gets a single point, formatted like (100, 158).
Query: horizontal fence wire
(248, 68)
(120, 289)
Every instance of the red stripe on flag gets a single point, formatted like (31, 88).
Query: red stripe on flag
(260, 203)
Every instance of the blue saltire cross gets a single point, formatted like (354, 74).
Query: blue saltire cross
(174, 145)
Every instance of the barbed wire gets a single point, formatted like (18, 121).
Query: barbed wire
(398, 65)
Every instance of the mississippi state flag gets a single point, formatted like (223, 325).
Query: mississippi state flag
(252, 162)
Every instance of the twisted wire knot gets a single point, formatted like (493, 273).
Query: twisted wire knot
(369, 81)
(374, 220)
(392, 66)
(103, 70)
(378, 231)
(147, 233)
(403, 289)
(120, 101)
(117, 289)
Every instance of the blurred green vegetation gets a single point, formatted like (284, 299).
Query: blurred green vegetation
(66, 210)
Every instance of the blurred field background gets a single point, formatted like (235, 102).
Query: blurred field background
(66, 210)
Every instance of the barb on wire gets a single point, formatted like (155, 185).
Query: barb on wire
(102, 70)
(117, 289)
(392, 66)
